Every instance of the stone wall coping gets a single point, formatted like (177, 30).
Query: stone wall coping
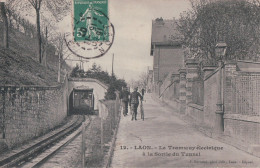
(246, 73)
(175, 74)
(182, 70)
(209, 68)
(29, 87)
(240, 117)
(177, 100)
(196, 106)
(212, 73)
(171, 83)
(33, 87)
(251, 62)
(106, 102)
(191, 61)
(230, 62)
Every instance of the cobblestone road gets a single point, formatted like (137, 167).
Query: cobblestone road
(160, 130)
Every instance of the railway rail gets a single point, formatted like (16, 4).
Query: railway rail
(34, 154)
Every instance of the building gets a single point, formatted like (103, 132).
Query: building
(166, 49)
(149, 87)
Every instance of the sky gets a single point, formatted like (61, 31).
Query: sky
(133, 24)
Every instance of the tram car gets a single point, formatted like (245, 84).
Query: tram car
(83, 101)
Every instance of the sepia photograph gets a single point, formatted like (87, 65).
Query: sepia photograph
(129, 83)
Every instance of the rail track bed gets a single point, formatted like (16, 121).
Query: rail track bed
(40, 149)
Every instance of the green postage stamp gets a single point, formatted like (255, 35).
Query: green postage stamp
(91, 21)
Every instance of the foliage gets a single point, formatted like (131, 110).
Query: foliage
(49, 8)
(237, 23)
(96, 72)
(110, 94)
(141, 82)
(76, 71)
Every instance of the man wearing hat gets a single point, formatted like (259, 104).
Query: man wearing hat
(125, 98)
(134, 102)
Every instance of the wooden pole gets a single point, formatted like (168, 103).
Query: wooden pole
(59, 67)
(113, 65)
(102, 137)
(46, 46)
(83, 144)
(5, 30)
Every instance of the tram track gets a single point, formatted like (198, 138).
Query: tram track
(34, 155)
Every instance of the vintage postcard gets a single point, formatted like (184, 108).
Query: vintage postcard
(129, 83)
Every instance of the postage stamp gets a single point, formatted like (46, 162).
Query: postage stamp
(90, 20)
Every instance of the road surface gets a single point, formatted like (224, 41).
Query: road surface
(164, 140)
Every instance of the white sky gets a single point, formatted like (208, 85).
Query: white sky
(133, 24)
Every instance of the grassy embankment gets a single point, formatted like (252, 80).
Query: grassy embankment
(19, 64)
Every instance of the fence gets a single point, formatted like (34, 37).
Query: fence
(243, 120)
(231, 92)
(102, 131)
(246, 94)
(110, 116)
(109, 112)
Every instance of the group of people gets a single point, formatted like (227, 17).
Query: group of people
(131, 99)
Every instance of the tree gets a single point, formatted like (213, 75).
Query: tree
(4, 16)
(143, 78)
(140, 82)
(53, 9)
(110, 94)
(5, 8)
(237, 23)
(58, 42)
(96, 72)
(74, 72)
(37, 6)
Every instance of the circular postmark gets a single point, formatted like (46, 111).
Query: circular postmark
(93, 39)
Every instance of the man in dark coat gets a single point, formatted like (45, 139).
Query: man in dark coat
(134, 102)
(125, 98)
(143, 92)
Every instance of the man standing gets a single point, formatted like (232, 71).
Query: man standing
(143, 92)
(125, 99)
(134, 102)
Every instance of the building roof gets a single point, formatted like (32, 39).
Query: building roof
(165, 32)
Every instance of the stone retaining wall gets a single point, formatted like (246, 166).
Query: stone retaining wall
(30, 111)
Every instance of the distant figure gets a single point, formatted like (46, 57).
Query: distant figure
(143, 92)
(125, 98)
(134, 102)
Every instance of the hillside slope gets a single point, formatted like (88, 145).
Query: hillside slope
(19, 65)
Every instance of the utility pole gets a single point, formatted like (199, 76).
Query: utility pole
(46, 46)
(80, 61)
(5, 31)
(83, 145)
(59, 68)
